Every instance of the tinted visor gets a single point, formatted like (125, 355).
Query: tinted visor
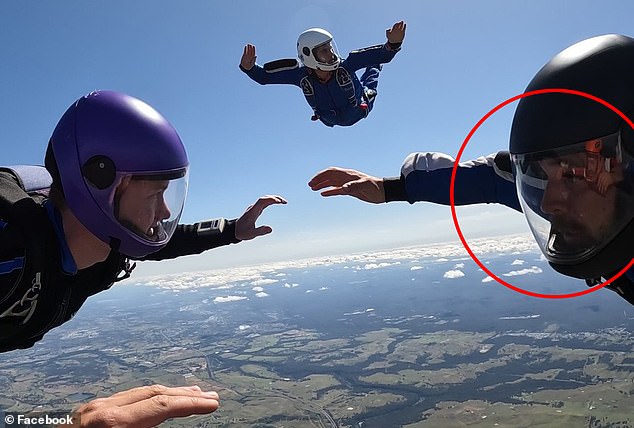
(576, 198)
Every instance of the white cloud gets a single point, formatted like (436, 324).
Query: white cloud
(452, 274)
(225, 299)
(533, 269)
(517, 262)
(416, 268)
(379, 265)
(264, 281)
(260, 275)
(459, 266)
(261, 294)
(257, 289)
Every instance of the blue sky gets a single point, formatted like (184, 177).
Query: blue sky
(459, 59)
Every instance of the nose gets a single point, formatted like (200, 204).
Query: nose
(163, 212)
(556, 196)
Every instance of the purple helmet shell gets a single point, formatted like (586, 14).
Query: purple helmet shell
(103, 137)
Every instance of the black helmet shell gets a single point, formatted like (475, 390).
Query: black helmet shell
(602, 66)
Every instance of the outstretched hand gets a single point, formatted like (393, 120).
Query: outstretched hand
(396, 34)
(248, 57)
(145, 407)
(349, 182)
(245, 225)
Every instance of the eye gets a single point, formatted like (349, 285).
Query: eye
(571, 173)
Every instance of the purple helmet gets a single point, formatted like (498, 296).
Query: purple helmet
(123, 170)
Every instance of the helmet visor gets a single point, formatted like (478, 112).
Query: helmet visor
(150, 205)
(576, 198)
(326, 54)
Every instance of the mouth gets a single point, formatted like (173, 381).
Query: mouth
(570, 237)
(156, 232)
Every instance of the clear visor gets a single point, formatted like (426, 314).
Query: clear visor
(150, 205)
(326, 53)
(576, 198)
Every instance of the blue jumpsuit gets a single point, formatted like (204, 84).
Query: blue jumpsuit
(338, 101)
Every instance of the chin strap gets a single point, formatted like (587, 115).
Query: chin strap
(623, 286)
(127, 268)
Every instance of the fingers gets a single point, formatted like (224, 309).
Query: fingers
(333, 176)
(353, 188)
(143, 393)
(275, 199)
(602, 186)
(336, 191)
(155, 410)
(396, 34)
(262, 230)
(265, 201)
(245, 225)
(368, 189)
(146, 406)
(399, 26)
(248, 56)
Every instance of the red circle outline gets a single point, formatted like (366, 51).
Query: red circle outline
(453, 181)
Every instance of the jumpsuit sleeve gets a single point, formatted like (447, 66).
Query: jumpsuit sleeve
(426, 177)
(186, 241)
(281, 76)
(372, 55)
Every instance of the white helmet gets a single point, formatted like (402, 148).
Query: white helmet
(316, 49)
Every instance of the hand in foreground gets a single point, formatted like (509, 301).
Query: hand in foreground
(349, 182)
(145, 407)
(396, 34)
(245, 225)
(248, 57)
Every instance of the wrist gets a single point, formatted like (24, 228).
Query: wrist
(394, 46)
(394, 189)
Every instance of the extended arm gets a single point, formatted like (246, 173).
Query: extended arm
(187, 239)
(379, 54)
(283, 72)
(425, 177)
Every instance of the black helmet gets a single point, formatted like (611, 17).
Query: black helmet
(573, 158)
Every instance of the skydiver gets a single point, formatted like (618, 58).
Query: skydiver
(568, 169)
(329, 83)
(115, 185)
